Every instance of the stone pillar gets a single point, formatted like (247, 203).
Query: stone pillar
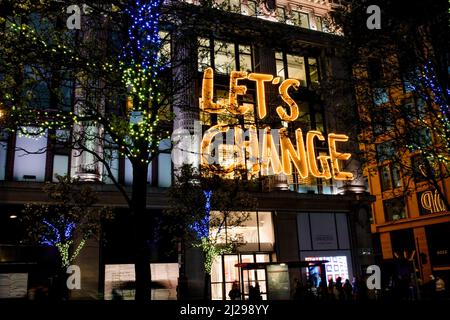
(187, 131)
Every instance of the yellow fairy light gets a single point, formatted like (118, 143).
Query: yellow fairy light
(206, 102)
(312, 160)
(289, 154)
(260, 79)
(336, 156)
(269, 154)
(236, 90)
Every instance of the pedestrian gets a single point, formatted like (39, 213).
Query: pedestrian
(348, 290)
(440, 288)
(235, 292)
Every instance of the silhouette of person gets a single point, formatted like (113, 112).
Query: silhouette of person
(235, 292)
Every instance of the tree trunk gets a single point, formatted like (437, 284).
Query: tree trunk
(207, 288)
(143, 230)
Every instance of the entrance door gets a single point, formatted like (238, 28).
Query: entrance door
(254, 277)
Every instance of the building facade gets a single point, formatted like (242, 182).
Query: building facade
(312, 218)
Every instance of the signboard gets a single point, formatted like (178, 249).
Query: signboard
(271, 151)
(430, 202)
(13, 285)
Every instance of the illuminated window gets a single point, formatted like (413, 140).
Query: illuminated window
(249, 9)
(281, 14)
(281, 71)
(224, 57)
(128, 173)
(30, 155)
(224, 272)
(313, 71)
(112, 158)
(394, 209)
(380, 96)
(319, 23)
(164, 164)
(245, 58)
(204, 54)
(164, 53)
(300, 19)
(60, 166)
(256, 232)
(3, 153)
(296, 68)
(227, 56)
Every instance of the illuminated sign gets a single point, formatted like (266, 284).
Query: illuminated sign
(432, 202)
(263, 151)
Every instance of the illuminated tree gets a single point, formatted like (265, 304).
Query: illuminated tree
(202, 206)
(399, 77)
(109, 86)
(66, 221)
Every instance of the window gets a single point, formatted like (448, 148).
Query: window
(204, 54)
(385, 150)
(380, 96)
(293, 67)
(390, 177)
(300, 19)
(224, 57)
(374, 70)
(420, 138)
(281, 14)
(394, 209)
(128, 172)
(319, 23)
(296, 68)
(256, 232)
(313, 71)
(249, 9)
(3, 158)
(60, 166)
(224, 272)
(165, 164)
(164, 53)
(37, 80)
(382, 121)
(245, 58)
(281, 71)
(30, 155)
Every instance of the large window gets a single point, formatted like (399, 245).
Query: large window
(394, 209)
(255, 233)
(30, 155)
(305, 69)
(224, 56)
